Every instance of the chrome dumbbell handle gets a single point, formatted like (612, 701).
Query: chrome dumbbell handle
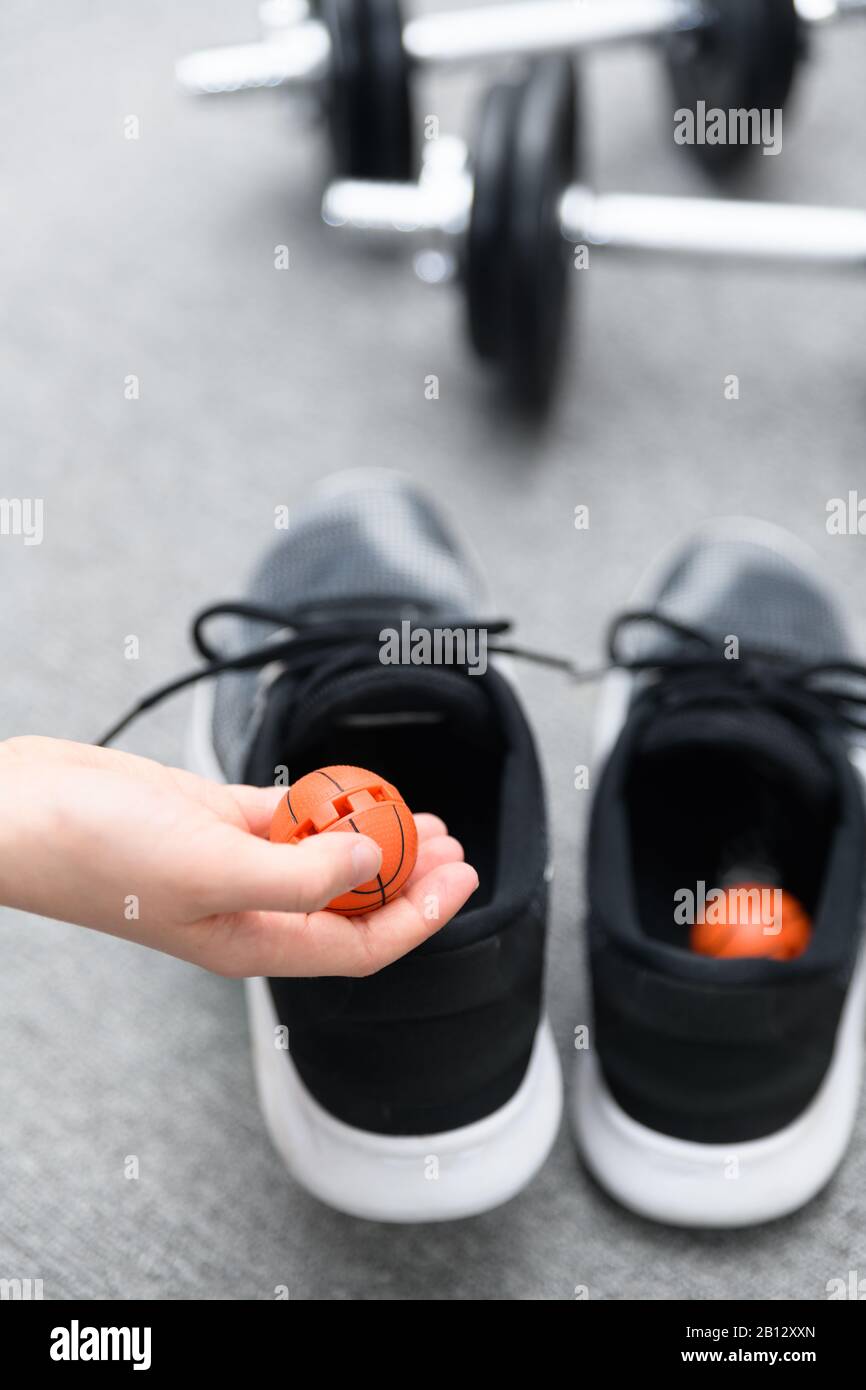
(438, 208)
(820, 11)
(534, 27)
(432, 214)
(295, 55)
(438, 205)
(727, 229)
(554, 26)
(544, 26)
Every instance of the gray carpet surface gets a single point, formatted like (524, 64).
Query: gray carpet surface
(154, 258)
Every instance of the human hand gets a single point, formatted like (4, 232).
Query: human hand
(95, 836)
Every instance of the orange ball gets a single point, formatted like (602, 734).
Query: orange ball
(357, 801)
(753, 919)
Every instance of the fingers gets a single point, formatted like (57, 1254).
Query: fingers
(428, 826)
(389, 933)
(243, 872)
(257, 805)
(443, 849)
(325, 943)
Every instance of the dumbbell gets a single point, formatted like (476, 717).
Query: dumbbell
(359, 55)
(508, 221)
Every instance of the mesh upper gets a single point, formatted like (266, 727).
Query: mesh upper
(753, 589)
(368, 543)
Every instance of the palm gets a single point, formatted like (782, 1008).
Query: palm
(176, 862)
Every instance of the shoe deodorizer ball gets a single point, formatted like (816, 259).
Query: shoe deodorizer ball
(753, 919)
(354, 801)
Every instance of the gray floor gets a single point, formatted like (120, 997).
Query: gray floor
(155, 258)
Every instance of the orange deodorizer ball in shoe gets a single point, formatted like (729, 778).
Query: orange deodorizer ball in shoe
(754, 919)
(354, 800)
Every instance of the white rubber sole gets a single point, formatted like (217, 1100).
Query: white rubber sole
(688, 1184)
(429, 1177)
(723, 1185)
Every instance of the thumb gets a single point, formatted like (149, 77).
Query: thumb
(255, 874)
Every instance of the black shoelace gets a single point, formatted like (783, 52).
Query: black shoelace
(688, 673)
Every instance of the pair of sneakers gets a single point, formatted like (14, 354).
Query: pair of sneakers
(718, 1088)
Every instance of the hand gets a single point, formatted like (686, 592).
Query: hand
(93, 836)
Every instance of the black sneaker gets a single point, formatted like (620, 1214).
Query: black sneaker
(721, 1086)
(430, 1090)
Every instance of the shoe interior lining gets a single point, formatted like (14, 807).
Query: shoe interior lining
(698, 814)
(436, 768)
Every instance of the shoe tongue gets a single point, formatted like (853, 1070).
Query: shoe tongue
(366, 696)
(762, 734)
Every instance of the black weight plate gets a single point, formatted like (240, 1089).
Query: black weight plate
(543, 163)
(369, 106)
(485, 270)
(744, 58)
